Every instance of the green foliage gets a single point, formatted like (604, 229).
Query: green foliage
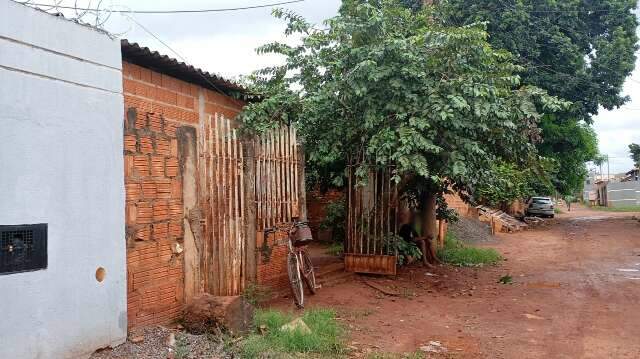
(325, 337)
(399, 88)
(456, 253)
(444, 212)
(335, 220)
(335, 249)
(578, 50)
(634, 149)
(508, 183)
(396, 244)
(570, 144)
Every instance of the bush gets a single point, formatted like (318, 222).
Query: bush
(393, 243)
(325, 337)
(335, 220)
(459, 254)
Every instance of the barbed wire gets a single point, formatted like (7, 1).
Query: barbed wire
(94, 14)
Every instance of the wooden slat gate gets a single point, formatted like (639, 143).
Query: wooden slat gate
(224, 198)
(222, 193)
(277, 182)
(372, 222)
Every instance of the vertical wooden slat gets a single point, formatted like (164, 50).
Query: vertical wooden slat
(281, 182)
(276, 178)
(224, 234)
(294, 149)
(289, 167)
(290, 172)
(375, 212)
(236, 190)
(229, 209)
(274, 189)
(268, 178)
(241, 219)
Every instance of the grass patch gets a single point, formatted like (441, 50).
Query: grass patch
(617, 209)
(335, 249)
(459, 254)
(268, 340)
(557, 211)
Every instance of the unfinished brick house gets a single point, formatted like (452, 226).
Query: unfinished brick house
(198, 194)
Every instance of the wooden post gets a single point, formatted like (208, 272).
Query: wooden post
(249, 202)
(302, 196)
(193, 245)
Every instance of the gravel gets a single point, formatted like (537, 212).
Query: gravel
(155, 343)
(471, 230)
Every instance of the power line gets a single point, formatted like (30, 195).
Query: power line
(168, 11)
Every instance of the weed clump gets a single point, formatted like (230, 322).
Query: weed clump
(457, 253)
(269, 340)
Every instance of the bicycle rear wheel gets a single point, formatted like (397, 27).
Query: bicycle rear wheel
(308, 274)
(293, 268)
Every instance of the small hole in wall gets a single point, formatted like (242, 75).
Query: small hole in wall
(100, 274)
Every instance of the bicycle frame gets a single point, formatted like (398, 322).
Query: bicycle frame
(303, 270)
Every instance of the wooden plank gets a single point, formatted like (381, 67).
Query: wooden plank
(370, 264)
(229, 209)
(248, 212)
(296, 205)
(212, 233)
(222, 206)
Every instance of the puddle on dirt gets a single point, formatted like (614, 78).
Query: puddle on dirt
(628, 270)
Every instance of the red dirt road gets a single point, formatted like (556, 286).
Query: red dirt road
(575, 294)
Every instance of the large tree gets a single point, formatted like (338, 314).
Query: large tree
(393, 87)
(579, 50)
(634, 149)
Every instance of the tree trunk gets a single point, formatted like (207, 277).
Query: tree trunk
(428, 224)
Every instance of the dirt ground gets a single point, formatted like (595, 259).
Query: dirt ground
(575, 294)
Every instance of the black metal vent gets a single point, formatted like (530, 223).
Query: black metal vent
(23, 248)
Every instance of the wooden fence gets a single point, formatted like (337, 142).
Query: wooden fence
(277, 182)
(234, 212)
(222, 196)
(372, 222)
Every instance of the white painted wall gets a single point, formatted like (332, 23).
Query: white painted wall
(61, 163)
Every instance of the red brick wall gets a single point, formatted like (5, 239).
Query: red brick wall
(154, 208)
(272, 261)
(272, 257)
(317, 209)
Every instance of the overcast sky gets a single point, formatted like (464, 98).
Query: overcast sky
(224, 43)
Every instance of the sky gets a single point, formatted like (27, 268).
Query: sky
(224, 43)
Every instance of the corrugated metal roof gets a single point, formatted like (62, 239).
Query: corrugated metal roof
(153, 60)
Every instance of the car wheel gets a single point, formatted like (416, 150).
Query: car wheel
(552, 216)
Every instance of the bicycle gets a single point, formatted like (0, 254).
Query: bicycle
(299, 264)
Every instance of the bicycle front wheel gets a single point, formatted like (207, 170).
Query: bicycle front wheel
(293, 267)
(308, 274)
